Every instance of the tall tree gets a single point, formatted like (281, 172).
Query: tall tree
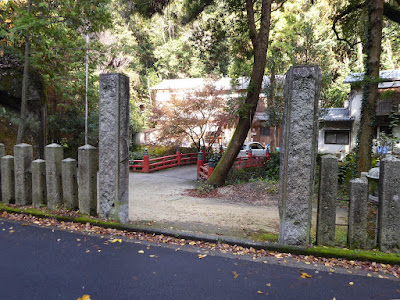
(259, 40)
(25, 80)
(370, 89)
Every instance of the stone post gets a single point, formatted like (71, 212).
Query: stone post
(23, 154)
(7, 179)
(298, 151)
(357, 233)
(87, 179)
(2, 153)
(114, 147)
(54, 154)
(39, 193)
(327, 194)
(389, 205)
(69, 183)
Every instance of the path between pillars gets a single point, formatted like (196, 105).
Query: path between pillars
(160, 200)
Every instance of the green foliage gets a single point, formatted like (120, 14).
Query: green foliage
(268, 172)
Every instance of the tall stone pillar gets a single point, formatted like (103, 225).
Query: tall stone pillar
(7, 179)
(114, 146)
(2, 153)
(298, 152)
(389, 205)
(358, 209)
(87, 179)
(327, 195)
(39, 192)
(54, 154)
(23, 156)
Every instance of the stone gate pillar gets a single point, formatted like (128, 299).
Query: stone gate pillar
(389, 205)
(298, 151)
(114, 147)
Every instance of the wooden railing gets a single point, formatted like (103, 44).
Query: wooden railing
(147, 165)
(204, 170)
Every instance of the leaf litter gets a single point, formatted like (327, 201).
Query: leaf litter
(117, 235)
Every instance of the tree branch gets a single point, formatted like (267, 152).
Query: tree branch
(391, 12)
(349, 9)
(252, 23)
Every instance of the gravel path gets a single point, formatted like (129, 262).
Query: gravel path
(161, 199)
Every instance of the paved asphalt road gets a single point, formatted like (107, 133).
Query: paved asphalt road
(39, 263)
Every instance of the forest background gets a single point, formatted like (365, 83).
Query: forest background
(179, 42)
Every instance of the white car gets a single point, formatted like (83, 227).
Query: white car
(256, 149)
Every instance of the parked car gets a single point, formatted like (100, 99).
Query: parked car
(256, 149)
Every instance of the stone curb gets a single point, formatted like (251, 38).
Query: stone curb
(299, 250)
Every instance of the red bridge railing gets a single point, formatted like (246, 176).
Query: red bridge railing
(147, 165)
(204, 170)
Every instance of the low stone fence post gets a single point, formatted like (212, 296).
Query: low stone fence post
(69, 183)
(39, 193)
(389, 205)
(357, 233)
(2, 153)
(327, 194)
(54, 154)
(7, 179)
(23, 156)
(87, 179)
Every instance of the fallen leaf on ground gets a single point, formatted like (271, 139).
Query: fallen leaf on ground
(305, 275)
(259, 292)
(235, 275)
(202, 255)
(84, 297)
(140, 251)
(268, 284)
(116, 241)
(351, 283)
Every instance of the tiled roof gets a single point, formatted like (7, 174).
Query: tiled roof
(335, 114)
(392, 75)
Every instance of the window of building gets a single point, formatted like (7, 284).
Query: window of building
(337, 137)
(265, 131)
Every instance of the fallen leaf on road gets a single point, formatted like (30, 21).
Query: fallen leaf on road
(268, 284)
(351, 283)
(305, 275)
(116, 241)
(235, 275)
(11, 231)
(84, 297)
(26, 224)
(140, 251)
(202, 255)
(259, 292)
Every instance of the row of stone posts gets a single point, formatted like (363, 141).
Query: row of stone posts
(55, 182)
(388, 233)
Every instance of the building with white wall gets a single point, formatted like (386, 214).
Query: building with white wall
(339, 126)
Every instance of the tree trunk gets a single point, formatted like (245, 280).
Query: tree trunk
(25, 82)
(260, 46)
(370, 93)
(271, 106)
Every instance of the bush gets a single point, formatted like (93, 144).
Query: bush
(270, 171)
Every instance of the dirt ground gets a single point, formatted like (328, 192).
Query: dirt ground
(167, 199)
